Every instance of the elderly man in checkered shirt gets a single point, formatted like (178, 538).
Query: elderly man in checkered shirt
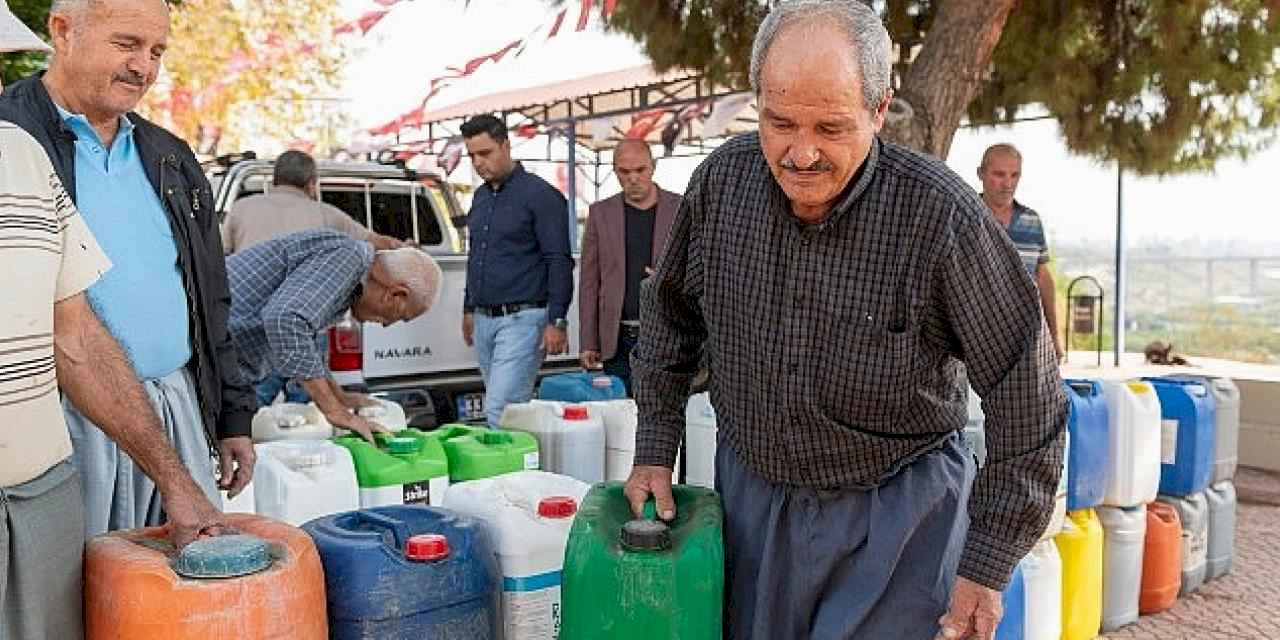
(284, 291)
(841, 286)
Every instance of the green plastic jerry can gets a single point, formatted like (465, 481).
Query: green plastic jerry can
(409, 467)
(628, 578)
(477, 452)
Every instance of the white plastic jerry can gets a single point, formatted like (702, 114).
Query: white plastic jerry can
(298, 481)
(700, 441)
(528, 515)
(290, 421)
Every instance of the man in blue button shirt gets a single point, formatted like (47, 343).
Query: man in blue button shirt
(519, 271)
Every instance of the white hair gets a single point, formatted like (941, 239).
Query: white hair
(68, 6)
(867, 35)
(418, 271)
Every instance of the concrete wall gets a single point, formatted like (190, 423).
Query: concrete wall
(1259, 424)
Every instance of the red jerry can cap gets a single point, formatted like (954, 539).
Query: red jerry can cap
(557, 507)
(427, 547)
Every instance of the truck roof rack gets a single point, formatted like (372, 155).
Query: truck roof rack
(222, 163)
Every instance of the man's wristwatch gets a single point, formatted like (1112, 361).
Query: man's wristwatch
(560, 323)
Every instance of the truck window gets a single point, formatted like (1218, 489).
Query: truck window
(389, 208)
(351, 202)
(390, 214)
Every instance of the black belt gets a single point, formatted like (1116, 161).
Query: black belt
(629, 330)
(499, 310)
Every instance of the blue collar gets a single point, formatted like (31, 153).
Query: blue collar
(79, 124)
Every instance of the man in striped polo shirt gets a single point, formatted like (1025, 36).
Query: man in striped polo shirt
(1000, 171)
(50, 338)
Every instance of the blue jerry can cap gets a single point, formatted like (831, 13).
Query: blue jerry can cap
(223, 557)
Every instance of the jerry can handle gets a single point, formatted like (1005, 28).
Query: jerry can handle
(650, 511)
(399, 530)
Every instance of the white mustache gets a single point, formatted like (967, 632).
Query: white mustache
(818, 165)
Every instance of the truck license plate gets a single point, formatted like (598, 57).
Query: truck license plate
(471, 407)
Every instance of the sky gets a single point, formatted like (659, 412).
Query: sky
(1233, 211)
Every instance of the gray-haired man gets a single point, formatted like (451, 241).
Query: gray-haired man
(286, 290)
(839, 283)
(54, 342)
(144, 196)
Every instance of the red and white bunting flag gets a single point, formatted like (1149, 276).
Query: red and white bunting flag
(555, 28)
(439, 83)
(364, 23)
(451, 155)
(643, 124)
(585, 16)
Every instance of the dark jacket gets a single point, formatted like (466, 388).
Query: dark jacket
(226, 405)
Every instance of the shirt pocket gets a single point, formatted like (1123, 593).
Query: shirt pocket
(868, 372)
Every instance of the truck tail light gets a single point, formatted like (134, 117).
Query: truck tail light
(346, 347)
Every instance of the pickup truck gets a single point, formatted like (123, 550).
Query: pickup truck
(424, 362)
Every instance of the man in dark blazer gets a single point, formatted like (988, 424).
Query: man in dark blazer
(622, 246)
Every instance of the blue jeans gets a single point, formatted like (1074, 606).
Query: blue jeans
(620, 364)
(510, 351)
(274, 383)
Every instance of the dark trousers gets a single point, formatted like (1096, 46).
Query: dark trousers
(620, 364)
(843, 564)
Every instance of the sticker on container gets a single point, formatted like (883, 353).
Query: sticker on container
(1198, 545)
(531, 606)
(417, 492)
(1168, 441)
(531, 461)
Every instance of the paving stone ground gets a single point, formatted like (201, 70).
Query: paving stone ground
(1245, 604)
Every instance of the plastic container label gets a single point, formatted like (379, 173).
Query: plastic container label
(531, 606)
(1168, 441)
(1197, 547)
(417, 492)
(531, 461)
(428, 492)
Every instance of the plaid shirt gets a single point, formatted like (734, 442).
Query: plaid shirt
(839, 350)
(286, 290)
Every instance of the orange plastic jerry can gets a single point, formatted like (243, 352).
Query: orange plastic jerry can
(265, 582)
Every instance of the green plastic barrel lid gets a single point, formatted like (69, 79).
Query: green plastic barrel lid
(223, 557)
(645, 535)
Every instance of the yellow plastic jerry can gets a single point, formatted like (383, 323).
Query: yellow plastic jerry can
(1080, 545)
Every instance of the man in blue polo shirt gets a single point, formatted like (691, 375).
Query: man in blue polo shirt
(143, 195)
(1000, 171)
(519, 269)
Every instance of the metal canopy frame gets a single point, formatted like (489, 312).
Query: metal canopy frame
(561, 119)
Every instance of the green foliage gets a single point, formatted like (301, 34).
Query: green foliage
(1216, 331)
(1162, 86)
(35, 14)
(713, 36)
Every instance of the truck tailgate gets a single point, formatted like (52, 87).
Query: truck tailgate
(432, 344)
